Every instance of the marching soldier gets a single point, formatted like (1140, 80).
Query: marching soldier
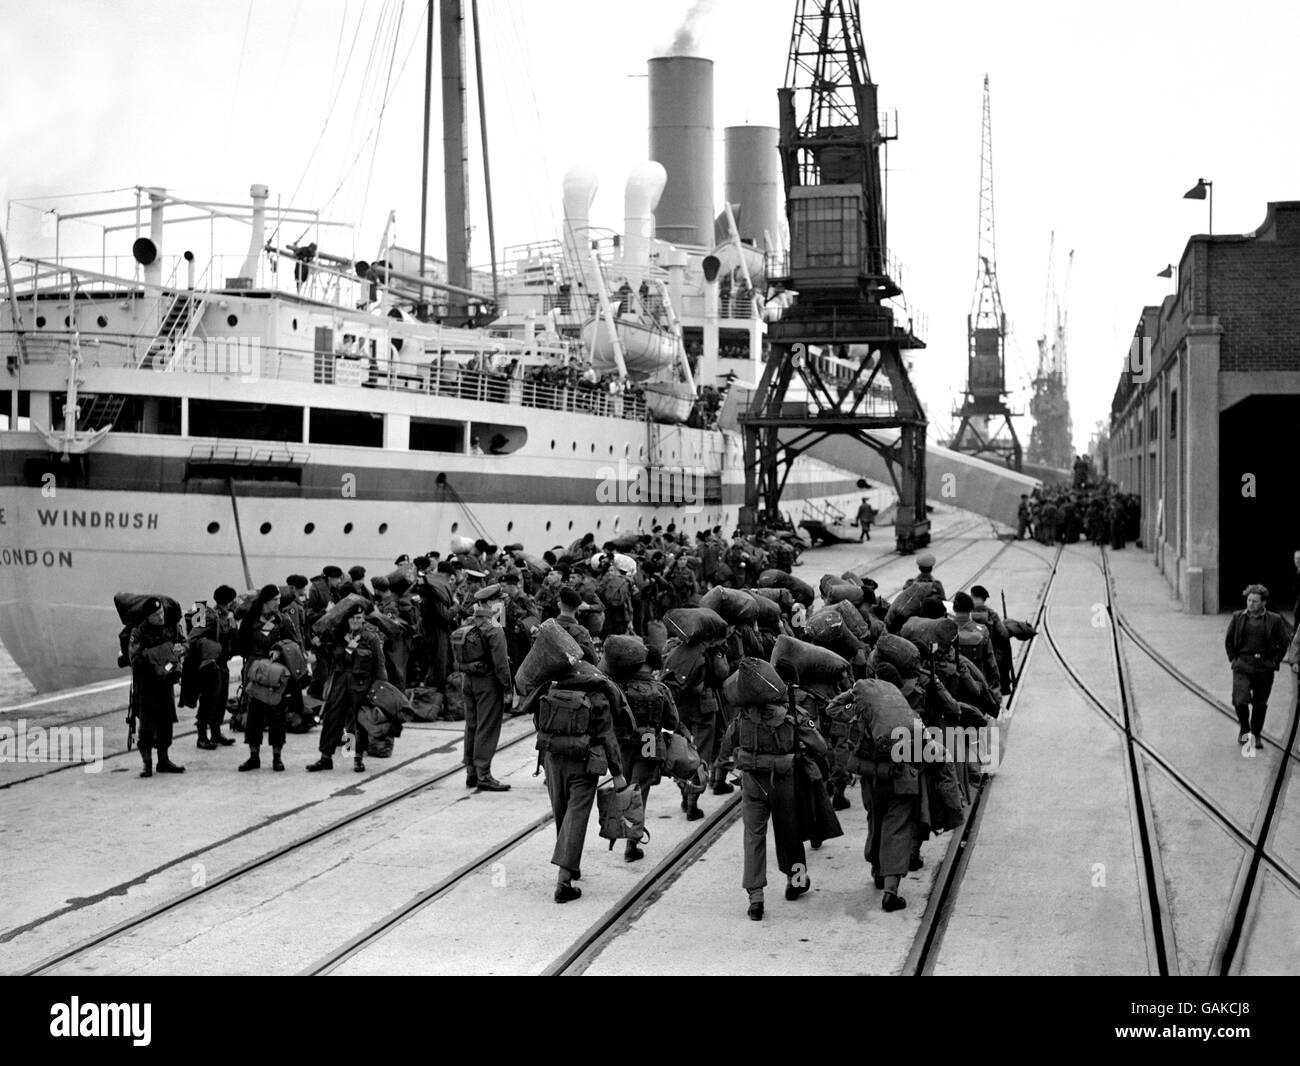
(355, 659)
(574, 716)
(570, 601)
(764, 737)
(975, 642)
(484, 661)
(155, 651)
(652, 707)
(265, 681)
(925, 572)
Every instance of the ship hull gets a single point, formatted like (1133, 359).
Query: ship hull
(63, 555)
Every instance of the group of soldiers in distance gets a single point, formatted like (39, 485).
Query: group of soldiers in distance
(1091, 507)
(700, 659)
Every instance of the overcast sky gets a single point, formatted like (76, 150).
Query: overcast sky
(1104, 114)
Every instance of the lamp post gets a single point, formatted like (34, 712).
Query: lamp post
(1200, 191)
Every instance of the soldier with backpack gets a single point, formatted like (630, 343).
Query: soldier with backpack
(575, 715)
(694, 674)
(615, 592)
(652, 709)
(356, 661)
(570, 601)
(154, 650)
(765, 737)
(205, 678)
(265, 679)
(481, 656)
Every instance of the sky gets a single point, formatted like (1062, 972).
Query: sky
(1103, 115)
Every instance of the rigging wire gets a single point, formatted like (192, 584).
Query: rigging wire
(388, 78)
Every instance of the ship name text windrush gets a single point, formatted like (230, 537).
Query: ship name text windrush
(91, 519)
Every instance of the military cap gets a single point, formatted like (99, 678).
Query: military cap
(298, 581)
(925, 561)
(980, 591)
(422, 562)
(356, 573)
(488, 592)
(223, 595)
(268, 592)
(331, 571)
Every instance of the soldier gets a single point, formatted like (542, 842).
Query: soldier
(694, 673)
(615, 591)
(518, 605)
(570, 601)
(652, 709)
(261, 628)
(155, 651)
(295, 611)
(1256, 642)
(764, 738)
(866, 515)
(206, 674)
(357, 575)
(326, 588)
(985, 615)
(575, 717)
(925, 572)
(484, 661)
(1048, 522)
(438, 603)
(355, 659)
(1023, 528)
(975, 642)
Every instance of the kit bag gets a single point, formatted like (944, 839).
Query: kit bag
(622, 814)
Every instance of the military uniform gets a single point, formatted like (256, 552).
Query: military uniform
(484, 661)
(691, 674)
(355, 661)
(155, 668)
(764, 739)
(582, 635)
(574, 716)
(652, 709)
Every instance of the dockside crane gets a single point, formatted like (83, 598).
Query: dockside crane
(1051, 441)
(840, 268)
(980, 432)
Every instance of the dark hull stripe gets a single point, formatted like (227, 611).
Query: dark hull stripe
(141, 473)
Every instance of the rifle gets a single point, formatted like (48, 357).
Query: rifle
(130, 717)
(1011, 664)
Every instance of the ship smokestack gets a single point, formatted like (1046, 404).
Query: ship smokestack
(645, 185)
(157, 202)
(753, 184)
(681, 139)
(258, 237)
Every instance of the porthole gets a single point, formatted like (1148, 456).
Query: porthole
(213, 527)
(593, 447)
(40, 321)
(548, 527)
(295, 323)
(347, 528)
(611, 449)
(309, 528)
(264, 528)
(455, 526)
(383, 528)
(640, 521)
(101, 322)
(617, 519)
(510, 527)
(232, 321)
(570, 525)
(627, 449)
(552, 445)
(67, 322)
(641, 451)
(597, 523)
(574, 446)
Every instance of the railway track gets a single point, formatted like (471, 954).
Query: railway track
(1139, 750)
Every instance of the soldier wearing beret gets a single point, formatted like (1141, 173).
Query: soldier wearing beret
(155, 650)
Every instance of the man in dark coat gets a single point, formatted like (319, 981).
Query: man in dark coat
(206, 679)
(155, 652)
(488, 686)
(1256, 643)
(355, 658)
(261, 628)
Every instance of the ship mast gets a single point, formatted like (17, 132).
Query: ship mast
(455, 155)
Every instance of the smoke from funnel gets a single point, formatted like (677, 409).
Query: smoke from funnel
(685, 42)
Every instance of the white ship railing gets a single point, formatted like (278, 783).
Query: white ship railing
(238, 358)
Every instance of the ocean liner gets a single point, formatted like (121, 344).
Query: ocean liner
(175, 420)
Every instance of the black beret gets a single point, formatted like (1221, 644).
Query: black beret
(963, 602)
(356, 573)
(548, 557)
(331, 571)
(223, 595)
(297, 581)
(154, 605)
(481, 545)
(980, 591)
(268, 592)
(380, 584)
(422, 562)
(445, 567)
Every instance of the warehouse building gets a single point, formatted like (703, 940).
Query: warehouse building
(1207, 410)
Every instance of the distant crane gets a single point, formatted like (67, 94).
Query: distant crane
(986, 335)
(1051, 442)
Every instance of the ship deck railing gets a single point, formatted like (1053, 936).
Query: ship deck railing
(246, 359)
